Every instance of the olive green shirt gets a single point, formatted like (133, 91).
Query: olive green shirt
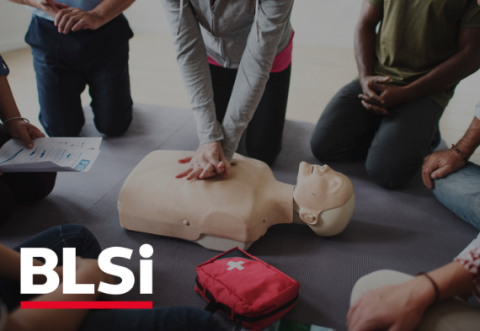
(415, 36)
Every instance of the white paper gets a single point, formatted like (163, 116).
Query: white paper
(50, 155)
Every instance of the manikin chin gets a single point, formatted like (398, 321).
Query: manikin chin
(235, 210)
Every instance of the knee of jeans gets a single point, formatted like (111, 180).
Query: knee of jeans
(445, 188)
(63, 130)
(114, 127)
(76, 235)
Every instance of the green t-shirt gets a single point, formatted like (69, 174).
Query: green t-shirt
(415, 36)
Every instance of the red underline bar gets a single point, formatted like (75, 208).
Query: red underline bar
(86, 305)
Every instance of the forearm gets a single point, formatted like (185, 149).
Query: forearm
(453, 280)
(8, 106)
(21, 2)
(465, 62)
(365, 38)
(193, 64)
(109, 9)
(471, 140)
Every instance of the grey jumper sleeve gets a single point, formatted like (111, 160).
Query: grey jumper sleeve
(273, 18)
(193, 63)
(477, 110)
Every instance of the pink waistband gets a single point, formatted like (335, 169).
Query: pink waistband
(281, 61)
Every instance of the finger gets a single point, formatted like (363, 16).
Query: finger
(79, 25)
(368, 99)
(26, 138)
(70, 23)
(61, 18)
(374, 96)
(428, 167)
(382, 79)
(443, 172)
(375, 109)
(185, 160)
(195, 173)
(208, 169)
(184, 173)
(214, 159)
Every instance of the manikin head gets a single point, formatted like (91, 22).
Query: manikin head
(323, 198)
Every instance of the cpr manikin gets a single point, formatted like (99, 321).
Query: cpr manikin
(234, 210)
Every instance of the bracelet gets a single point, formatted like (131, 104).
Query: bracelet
(435, 286)
(456, 149)
(14, 118)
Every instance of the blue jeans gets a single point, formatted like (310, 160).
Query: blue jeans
(65, 64)
(158, 318)
(460, 192)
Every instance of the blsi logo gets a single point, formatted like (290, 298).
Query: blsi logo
(69, 277)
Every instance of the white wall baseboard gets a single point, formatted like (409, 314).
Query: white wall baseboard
(12, 44)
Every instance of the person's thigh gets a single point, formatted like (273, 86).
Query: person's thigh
(156, 319)
(223, 80)
(265, 130)
(59, 81)
(447, 315)
(56, 238)
(460, 192)
(345, 129)
(402, 141)
(30, 186)
(109, 87)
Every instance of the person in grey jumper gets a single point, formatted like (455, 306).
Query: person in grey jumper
(244, 38)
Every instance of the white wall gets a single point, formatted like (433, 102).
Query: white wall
(14, 20)
(316, 22)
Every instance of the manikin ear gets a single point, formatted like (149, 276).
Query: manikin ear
(309, 217)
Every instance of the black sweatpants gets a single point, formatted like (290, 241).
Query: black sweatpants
(394, 145)
(265, 131)
(22, 186)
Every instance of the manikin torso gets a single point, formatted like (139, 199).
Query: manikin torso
(218, 213)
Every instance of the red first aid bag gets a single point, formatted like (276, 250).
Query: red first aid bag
(246, 289)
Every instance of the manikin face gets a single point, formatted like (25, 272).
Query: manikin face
(320, 188)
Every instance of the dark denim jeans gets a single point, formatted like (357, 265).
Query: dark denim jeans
(158, 318)
(460, 192)
(66, 64)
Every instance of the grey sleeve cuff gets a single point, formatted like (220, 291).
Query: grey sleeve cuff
(477, 110)
(208, 128)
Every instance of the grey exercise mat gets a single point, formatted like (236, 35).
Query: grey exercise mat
(406, 229)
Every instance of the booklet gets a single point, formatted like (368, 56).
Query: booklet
(50, 155)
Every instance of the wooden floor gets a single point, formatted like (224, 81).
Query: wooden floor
(317, 74)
